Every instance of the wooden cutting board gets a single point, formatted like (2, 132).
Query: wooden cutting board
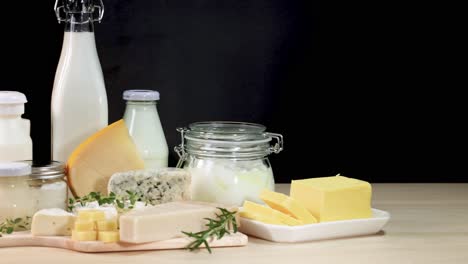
(25, 239)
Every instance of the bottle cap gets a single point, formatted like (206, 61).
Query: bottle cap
(141, 95)
(12, 103)
(9, 169)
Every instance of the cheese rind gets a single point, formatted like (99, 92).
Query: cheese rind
(166, 221)
(52, 222)
(153, 186)
(287, 205)
(108, 151)
(264, 212)
(334, 198)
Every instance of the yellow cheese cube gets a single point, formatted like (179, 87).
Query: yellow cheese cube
(264, 211)
(334, 198)
(84, 235)
(106, 225)
(84, 225)
(93, 215)
(287, 205)
(108, 236)
(262, 218)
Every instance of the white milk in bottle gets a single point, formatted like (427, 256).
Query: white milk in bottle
(79, 100)
(15, 142)
(144, 125)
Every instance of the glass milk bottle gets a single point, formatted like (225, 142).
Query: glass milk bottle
(15, 142)
(79, 100)
(142, 120)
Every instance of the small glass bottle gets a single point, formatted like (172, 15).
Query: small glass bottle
(15, 196)
(144, 125)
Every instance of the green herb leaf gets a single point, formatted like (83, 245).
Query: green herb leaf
(217, 228)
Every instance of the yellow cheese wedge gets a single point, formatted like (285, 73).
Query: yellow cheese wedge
(84, 225)
(287, 205)
(254, 209)
(84, 235)
(108, 236)
(267, 219)
(106, 225)
(334, 198)
(91, 215)
(108, 151)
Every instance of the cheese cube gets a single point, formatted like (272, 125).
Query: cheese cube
(287, 205)
(334, 198)
(166, 221)
(84, 235)
(108, 236)
(52, 222)
(92, 215)
(106, 225)
(254, 209)
(84, 225)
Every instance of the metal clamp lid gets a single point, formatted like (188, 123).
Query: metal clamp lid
(227, 143)
(87, 6)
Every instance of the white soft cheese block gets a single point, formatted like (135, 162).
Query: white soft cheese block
(52, 222)
(166, 221)
(109, 210)
(152, 186)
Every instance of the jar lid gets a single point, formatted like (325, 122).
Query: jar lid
(13, 169)
(227, 131)
(12, 103)
(228, 139)
(46, 171)
(141, 95)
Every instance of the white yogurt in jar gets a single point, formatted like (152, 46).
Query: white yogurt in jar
(228, 182)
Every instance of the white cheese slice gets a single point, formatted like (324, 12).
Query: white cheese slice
(52, 222)
(165, 221)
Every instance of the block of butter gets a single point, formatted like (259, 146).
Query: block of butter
(52, 222)
(334, 198)
(166, 221)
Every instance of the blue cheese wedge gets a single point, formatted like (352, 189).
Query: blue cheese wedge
(152, 186)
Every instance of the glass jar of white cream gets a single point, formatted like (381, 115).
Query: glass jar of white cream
(48, 186)
(228, 160)
(15, 196)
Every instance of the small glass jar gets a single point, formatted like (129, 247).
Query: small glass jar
(228, 160)
(15, 196)
(48, 186)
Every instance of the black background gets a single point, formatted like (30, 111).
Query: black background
(344, 84)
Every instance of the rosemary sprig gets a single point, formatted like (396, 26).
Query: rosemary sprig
(225, 222)
(119, 202)
(10, 225)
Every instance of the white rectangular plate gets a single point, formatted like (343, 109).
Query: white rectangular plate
(325, 230)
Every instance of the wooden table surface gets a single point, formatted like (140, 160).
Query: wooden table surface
(429, 224)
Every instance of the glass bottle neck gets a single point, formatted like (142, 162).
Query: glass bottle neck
(141, 103)
(79, 22)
